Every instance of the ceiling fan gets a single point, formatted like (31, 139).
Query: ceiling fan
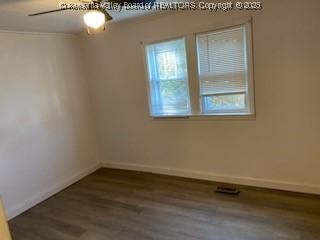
(96, 15)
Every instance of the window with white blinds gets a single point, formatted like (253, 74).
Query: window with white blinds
(220, 74)
(168, 78)
(223, 71)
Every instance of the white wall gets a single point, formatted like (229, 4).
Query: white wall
(280, 149)
(46, 135)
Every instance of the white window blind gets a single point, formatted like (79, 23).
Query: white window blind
(223, 71)
(168, 81)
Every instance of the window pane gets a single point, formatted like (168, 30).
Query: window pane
(224, 103)
(167, 63)
(167, 71)
(223, 71)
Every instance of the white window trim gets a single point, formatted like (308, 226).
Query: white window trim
(193, 78)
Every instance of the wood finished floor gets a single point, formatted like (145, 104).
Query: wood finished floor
(123, 205)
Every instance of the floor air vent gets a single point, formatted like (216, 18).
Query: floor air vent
(228, 190)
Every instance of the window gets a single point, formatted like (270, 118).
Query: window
(223, 71)
(168, 78)
(224, 68)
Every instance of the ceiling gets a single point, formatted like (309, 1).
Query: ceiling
(14, 16)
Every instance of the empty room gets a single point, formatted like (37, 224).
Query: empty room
(159, 120)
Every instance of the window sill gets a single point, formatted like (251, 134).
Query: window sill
(206, 117)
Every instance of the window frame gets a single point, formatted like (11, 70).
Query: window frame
(249, 94)
(193, 76)
(149, 84)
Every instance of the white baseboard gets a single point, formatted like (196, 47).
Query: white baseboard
(31, 202)
(256, 182)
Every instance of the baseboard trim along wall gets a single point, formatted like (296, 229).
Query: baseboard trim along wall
(255, 182)
(264, 183)
(31, 202)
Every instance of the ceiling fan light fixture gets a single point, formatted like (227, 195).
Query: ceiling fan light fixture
(92, 31)
(95, 21)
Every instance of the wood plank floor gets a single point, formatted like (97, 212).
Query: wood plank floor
(123, 205)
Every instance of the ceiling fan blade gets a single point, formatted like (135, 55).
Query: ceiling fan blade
(46, 12)
(108, 16)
